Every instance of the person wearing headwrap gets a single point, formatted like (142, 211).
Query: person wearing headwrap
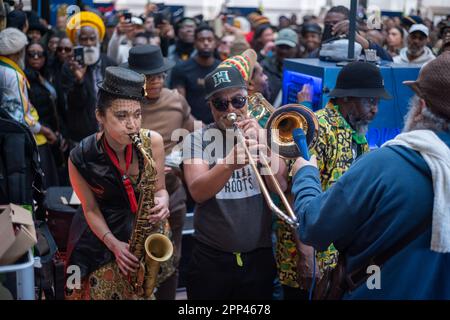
(79, 80)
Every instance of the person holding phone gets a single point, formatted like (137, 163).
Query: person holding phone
(122, 39)
(337, 25)
(79, 80)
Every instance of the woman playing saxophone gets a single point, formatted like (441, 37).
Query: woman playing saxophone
(105, 170)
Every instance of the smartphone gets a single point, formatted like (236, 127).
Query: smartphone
(127, 17)
(230, 19)
(78, 55)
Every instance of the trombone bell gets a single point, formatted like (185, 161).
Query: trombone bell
(282, 123)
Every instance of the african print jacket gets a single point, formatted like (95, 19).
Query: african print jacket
(335, 155)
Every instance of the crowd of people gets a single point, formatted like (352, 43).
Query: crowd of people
(87, 83)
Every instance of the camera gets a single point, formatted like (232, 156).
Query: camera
(127, 17)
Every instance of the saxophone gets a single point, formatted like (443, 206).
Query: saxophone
(149, 243)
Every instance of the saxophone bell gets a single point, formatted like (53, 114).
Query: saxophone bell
(158, 248)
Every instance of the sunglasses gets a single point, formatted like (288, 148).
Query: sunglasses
(237, 102)
(65, 49)
(35, 54)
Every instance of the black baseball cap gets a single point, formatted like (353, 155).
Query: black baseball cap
(311, 28)
(360, 79)
(223, 78)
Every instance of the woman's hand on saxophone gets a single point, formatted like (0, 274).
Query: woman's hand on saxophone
(126, 261)
(161, 209)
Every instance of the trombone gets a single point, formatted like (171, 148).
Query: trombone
(280, 126)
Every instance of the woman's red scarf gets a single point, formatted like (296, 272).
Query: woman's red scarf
(125, 179)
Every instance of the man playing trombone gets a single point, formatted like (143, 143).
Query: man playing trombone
(233, 257)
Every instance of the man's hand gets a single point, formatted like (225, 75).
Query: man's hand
(301, 162)
(78, 71)
(124, 27)
(305, 94)
(305, 265)
(49, 134)
(250, 128)
(233, 30)
(166, 30)
(63, 143)
(343, 27)
(270, 46)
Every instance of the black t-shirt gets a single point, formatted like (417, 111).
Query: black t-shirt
(191, 75)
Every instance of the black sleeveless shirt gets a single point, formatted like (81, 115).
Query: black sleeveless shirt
(84, 248)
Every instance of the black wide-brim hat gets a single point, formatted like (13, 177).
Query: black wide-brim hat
(147, 60)
(123, 83)
(361, 80)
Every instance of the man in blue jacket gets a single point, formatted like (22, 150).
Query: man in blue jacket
(392, 206)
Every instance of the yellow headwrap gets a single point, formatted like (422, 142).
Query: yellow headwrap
(83, 19)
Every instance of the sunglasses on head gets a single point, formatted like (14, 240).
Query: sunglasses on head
(65, 49)
(237, 102)
(35, 54)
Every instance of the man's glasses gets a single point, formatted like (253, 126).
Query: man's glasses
(65, 49)
(35, 54)
(237, 102)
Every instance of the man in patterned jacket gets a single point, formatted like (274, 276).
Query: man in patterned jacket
(345, 119)
(343, 124)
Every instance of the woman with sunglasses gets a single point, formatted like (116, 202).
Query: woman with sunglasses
(43, 96)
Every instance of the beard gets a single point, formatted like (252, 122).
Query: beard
(205, 54)
(416, 52)
(266, 92)
(361, 126)
(21, 61)
(414, 109)
(91, 54)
